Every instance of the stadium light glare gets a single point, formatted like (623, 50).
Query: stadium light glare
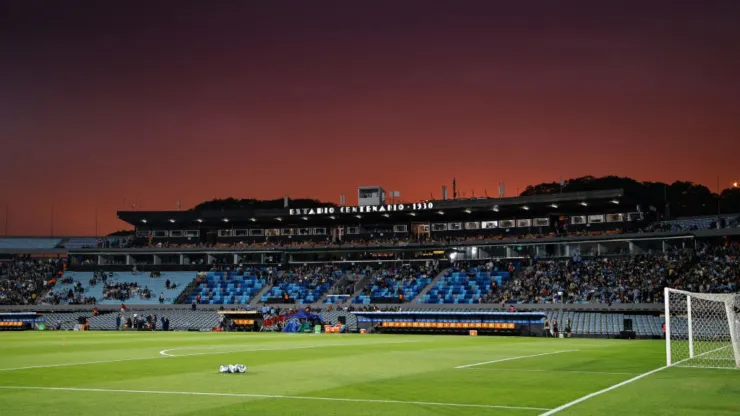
(734, 185)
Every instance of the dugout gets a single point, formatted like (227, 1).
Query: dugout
(21, 321)
(240, 320)
(453, 322)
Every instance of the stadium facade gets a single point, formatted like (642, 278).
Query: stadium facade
(472, 229)
(377, 233)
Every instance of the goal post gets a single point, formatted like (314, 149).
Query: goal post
(702, 329)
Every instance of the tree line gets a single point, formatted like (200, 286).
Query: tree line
(678, 199)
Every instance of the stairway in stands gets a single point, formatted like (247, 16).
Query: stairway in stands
(258, 297)
(431, 284)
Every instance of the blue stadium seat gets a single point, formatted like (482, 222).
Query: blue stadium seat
(228, 288)
(155, 285)
(391, 287)
(463, 287)
(29, 243)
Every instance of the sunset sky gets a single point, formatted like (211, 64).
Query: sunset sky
(148, 102)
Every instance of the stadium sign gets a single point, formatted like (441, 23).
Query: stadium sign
(421, 206)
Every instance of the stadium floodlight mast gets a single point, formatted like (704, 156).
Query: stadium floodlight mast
(702, 330)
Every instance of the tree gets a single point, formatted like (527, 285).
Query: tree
(677, 199)
(229, 204)
(121, 233)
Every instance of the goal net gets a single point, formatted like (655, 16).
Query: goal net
(702, 329)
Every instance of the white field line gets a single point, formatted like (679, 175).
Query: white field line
(514, 358)
(72, 364)
(709, 368)
(588, 396)
(552, 371)
(200, 353)
(273, 396)
(165, 352)
(616, 386)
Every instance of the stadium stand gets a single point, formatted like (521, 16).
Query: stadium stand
(29, 243)
(304, 284)
(635, 279)
(399, 240)
(180, 320)
(401, 284)
(606, 324)
(335, 299)
(118, 287)
(697, 223)
(65, 320)
(227, 287)
(471, 285)
(95, 242)
(583, 323)
(589, 285)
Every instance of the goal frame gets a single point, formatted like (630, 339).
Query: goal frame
(729, 312)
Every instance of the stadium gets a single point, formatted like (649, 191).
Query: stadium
(332, 208)
(540, 304)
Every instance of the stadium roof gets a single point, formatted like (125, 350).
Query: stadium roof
(542, 205)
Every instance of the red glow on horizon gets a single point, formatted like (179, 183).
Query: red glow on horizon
(259, 101)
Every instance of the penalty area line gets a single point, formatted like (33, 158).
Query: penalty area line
(554, 371)
(624, 383)
(273, 396)
(608, 389)
(513, 358)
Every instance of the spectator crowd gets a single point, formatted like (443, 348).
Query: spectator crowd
(125, 290)
(378, 237)
(24, 279)
(579, 279)
(635, 279)
(397, 278)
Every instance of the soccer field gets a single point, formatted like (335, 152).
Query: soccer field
(145, 373)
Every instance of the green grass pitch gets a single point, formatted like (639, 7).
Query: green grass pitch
(144, 373)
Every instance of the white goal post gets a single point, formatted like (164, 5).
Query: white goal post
(702, 329)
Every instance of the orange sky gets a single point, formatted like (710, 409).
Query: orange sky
(112, 104)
